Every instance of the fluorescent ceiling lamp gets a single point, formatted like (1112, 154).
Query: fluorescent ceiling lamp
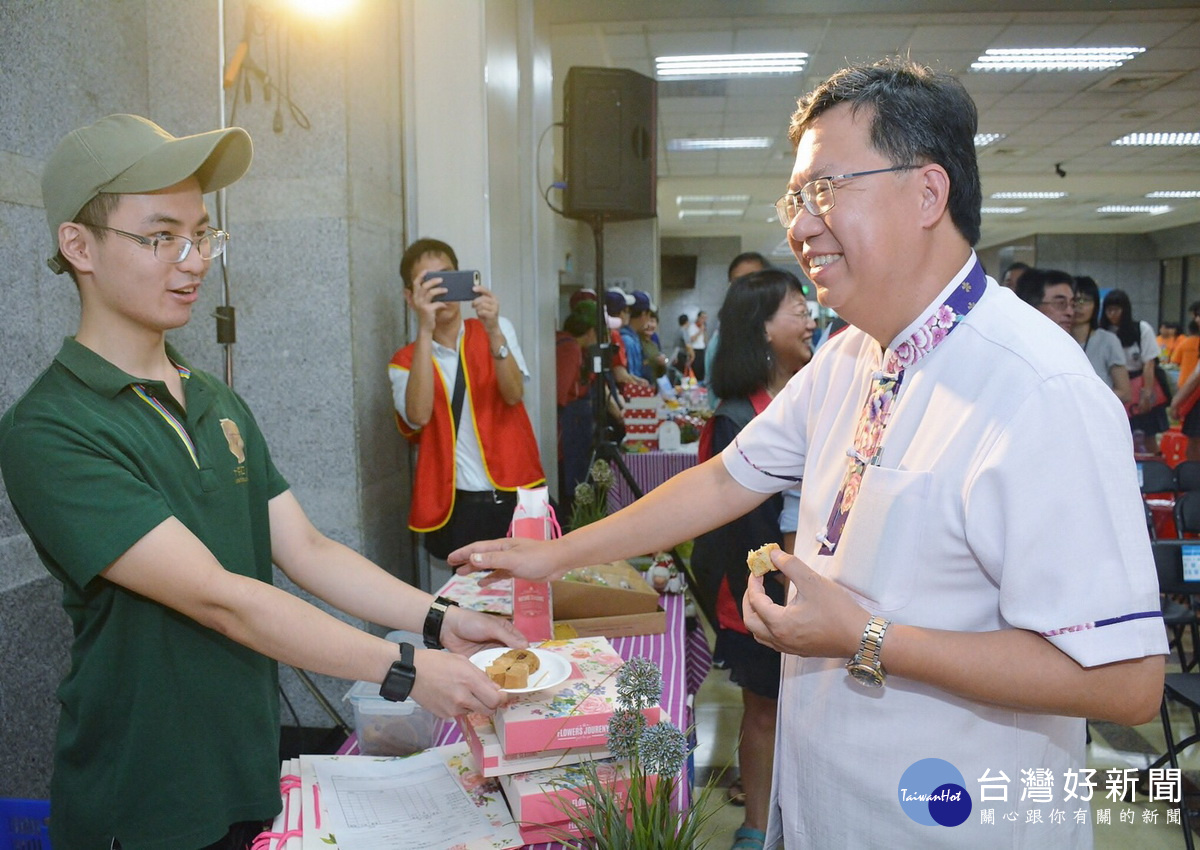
(1159, 139)
(729, 65)
(1002, 210)
(1156, 209)
(1027, 196)
(712, 199)
(982, 140)
(1176, 193)
(321, 8)
(707, 213)
(749, 143)
(1055, 58)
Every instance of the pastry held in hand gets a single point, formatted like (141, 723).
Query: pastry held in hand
(512, 669)
(759, 560)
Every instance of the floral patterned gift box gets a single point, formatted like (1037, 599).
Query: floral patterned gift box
(574, 714)
(489, 755)
(540, 796)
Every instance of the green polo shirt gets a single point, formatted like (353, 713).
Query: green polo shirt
(169, 731)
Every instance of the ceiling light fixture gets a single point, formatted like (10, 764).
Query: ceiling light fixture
(1027, 196)
(707, 213)
(729, 65)
(1148, 209)
(321, 8)
(1159, 139)
(1055, 58)
(712, 199)
(1002, 210)
(982, 140)
(1175, 193)
(746, 143)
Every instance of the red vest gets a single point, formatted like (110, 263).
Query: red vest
(506, 439)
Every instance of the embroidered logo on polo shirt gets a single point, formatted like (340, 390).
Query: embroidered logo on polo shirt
(237, 446)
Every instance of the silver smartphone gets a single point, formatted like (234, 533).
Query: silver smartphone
(459, 285)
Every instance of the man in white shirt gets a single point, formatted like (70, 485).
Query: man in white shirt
(978, 636)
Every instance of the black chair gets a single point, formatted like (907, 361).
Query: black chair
(1177, 597)
(1187, 476)
(1155, 477)
(1157, 482)
(1183, 688)
(1187, 513)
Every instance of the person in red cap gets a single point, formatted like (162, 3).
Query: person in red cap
(149, 493)
(581, 295)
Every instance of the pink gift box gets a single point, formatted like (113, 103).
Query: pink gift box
(538, 796)
(573, 714)
(491, 759)
(550, 833)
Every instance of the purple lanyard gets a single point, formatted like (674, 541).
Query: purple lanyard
(881, 398)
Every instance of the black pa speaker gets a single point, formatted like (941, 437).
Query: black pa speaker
(609, 150)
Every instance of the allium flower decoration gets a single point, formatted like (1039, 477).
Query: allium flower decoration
(647, 815)
(591, 496)
(624, 729)
(662, 749)
(639, 684)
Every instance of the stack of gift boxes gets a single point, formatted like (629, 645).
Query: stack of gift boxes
(643, 409)
(535, 743)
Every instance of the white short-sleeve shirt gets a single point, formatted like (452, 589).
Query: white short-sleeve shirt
(1103, 350)
(1006, 497)
(1146, 348)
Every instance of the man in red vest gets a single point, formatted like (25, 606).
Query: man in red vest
(476, 446)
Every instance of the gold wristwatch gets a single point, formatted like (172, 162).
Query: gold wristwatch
(866, 667)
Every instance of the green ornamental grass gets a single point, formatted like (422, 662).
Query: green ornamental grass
(656, 755)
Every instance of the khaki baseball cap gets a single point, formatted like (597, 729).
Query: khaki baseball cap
(128, 154)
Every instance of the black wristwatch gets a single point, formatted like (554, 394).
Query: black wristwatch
(433, 622)
(398, 683)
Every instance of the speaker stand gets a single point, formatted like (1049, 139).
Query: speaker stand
(603, 447)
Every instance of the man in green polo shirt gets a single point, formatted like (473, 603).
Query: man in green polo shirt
(149, 492)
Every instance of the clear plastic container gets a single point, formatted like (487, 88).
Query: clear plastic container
(387, 728)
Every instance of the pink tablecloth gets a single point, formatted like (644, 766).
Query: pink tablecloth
(649, 469)
(682, 654)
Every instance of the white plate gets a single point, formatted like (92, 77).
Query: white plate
(554, 669)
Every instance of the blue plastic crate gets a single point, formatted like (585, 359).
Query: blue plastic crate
(24, 824)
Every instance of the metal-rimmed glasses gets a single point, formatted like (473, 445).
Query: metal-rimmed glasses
(1060, 302)
(817, 195)
(169, 248)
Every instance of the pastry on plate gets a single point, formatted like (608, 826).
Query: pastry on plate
(512, 669)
